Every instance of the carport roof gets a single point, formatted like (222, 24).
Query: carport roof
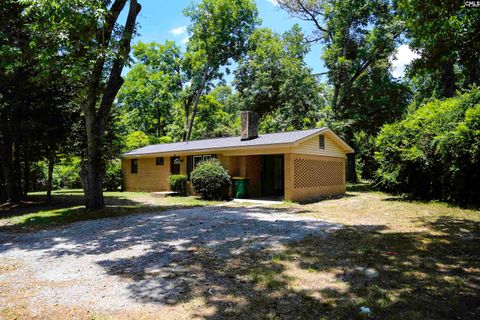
(228, 143)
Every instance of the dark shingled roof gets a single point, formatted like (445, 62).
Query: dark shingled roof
(225, 143)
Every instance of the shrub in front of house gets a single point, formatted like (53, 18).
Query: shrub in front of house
(210, 180)
(178, 183)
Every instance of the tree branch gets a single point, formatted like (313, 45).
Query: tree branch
(115, 79)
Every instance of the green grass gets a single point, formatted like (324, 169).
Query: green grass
(67, 207)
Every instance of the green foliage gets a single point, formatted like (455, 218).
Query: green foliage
(212, 119)
(160, 140)
(365, 154)
(445, 35)
(435, 151)
(178, 183)
(274, 80)
(151, 88)
(66, 174)
(210, 180)
(112, 180)
(218, 35)
(216, 116)
(135, 140)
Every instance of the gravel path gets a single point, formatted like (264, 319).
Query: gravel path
(132, 261)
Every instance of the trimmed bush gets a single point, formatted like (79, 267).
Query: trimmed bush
(178, 183)
(210, 180)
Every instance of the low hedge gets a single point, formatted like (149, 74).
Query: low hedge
(210, 180)
(178, 183)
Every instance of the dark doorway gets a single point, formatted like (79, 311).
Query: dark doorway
(175, 165)
(273, 176)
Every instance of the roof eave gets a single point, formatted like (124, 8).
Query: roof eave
(182, 152)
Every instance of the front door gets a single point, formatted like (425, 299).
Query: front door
(272, 175)
(175, 165)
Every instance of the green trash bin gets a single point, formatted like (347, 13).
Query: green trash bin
(240, 187)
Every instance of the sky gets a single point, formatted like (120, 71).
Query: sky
(162, 20)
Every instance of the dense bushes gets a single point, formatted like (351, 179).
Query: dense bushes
(66, 175)
(210, 180)
(434, 153)
(178, 183)
(113, 175)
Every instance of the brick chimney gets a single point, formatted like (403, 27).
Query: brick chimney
(249, 125)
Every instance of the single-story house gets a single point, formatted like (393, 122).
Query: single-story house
(297, 165)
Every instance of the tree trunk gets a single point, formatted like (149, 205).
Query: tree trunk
(3, 193)
(10, 173)
(26, 177)
(448, 79)
(351, 168)
(91, 172)
(196, 100)
(159, 118)
(92, 181)
(51, 164)
(96, 120)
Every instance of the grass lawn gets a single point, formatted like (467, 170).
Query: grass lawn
(396, 259)
(67, 207)
(400, 259)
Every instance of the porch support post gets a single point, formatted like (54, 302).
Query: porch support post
(288, 176)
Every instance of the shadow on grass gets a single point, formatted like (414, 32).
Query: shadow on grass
(412, 199)
(361, 187)
(36, 213)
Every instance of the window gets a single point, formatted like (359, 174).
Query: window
(134, 166)
(194, 161)
(207, 156)
(160, 161)
(321, 141)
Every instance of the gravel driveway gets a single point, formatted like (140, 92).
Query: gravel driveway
(136, 261)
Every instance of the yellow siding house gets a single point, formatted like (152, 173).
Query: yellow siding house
(297, 166)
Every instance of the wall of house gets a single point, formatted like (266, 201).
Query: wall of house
(150, 177)
(250, 167)
(310, 176)
(311, 146)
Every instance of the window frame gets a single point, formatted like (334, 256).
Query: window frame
(207, 156)
(134, 166)
(194, 163)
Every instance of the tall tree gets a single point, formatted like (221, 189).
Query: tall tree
(357, 34)
(274, 80)
(446, 34)
(151, 87)
(218, 34)
(34, 97)
(89, 33)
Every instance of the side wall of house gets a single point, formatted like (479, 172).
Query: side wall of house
(310, 176)
(311, 146)
(150, 176)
